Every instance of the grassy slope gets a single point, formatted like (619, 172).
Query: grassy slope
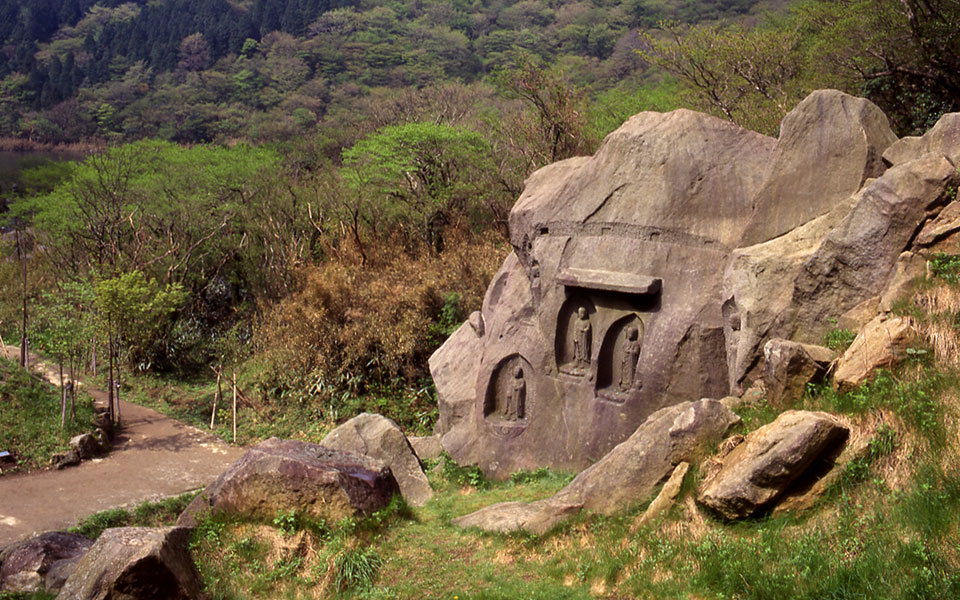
(30, 418)
(888, 528)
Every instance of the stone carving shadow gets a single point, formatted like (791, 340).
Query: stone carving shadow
(507, 401)
(614, 381)
(567, 318)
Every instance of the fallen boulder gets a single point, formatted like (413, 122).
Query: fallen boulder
(380, 438)
(86, 445)
(282, 475)
(768, 461)
(134, 563)
(25, 564)
(62, 460)
(881, 343)
(626, 475)
(790, 366)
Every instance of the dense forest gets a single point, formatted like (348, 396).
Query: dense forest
(317, 191)
(266, 70)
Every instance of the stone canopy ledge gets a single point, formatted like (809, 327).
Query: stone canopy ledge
(610, 281)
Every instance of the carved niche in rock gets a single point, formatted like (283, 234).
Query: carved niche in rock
(575, 337)
(505, 404)
(619, 359)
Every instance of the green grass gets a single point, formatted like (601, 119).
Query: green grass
(30, 418)
(147, 514)
(305, 418)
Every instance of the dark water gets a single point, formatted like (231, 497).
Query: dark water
(13, 163)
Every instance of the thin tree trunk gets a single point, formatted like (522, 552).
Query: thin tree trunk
(73, 389)
(94, 357)
(23, 330)
(113, 415)
(216, 396)
(118, 393)
(234, 407)
(63, 398)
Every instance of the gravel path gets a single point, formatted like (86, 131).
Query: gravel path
(153, 457)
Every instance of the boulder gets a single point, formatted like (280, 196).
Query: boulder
(627, 475)
(769, 461)
(426, 447)
(533, 517)
(62, 460)
(943, 138)
(943, 226)
(86, 445)
(900, 285)
(59, 572)
(380, 438)
(283, 475)
(102, 421)
(856, 259)
(759, 284)
(790, 366)
(881, 343)
(606, 310)
(136, 562)
(827, 128)
(796, 295)
(25, 564)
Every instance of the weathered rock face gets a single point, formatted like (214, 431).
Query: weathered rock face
(828, 146)
(769, 461)
(25, 565)
(655, 271)
(378, 437)
(881, 343)
(136, 562)
(282, 475)
(608, 309)
(790, 366)
(626, 475)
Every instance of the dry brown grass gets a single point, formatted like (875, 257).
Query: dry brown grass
(941, 303)
(379, 317)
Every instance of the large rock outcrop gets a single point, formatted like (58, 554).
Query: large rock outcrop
(608, 308)
(655, 271)
(625, 476)
(283, 475)
(136, 562)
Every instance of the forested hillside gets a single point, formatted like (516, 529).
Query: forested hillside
(199, 71)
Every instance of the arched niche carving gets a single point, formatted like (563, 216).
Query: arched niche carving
(507, 401)
(575, 334)
(618, 364)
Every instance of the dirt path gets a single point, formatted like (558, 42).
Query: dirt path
(154, 456)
